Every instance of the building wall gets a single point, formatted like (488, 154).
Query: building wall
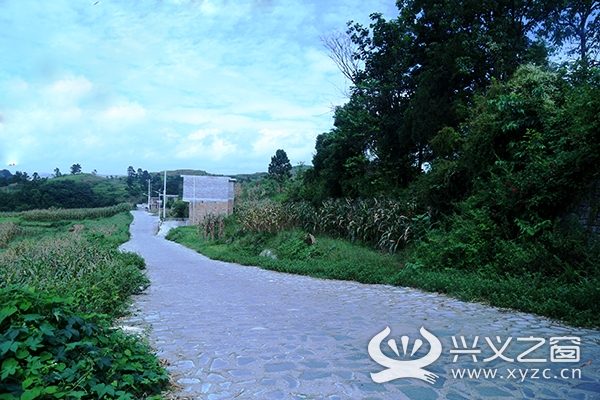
(208, 195)
(199, 209)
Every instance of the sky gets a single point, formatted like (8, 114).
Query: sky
(216, 85)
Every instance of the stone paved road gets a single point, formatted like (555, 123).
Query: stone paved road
(235, 332)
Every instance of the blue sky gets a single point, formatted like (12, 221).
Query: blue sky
(217, 85)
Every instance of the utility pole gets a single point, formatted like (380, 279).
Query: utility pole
(165, 197)
(149, 195)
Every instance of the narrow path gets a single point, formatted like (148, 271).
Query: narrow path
(231, 331)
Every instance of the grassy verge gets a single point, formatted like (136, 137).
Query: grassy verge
(575, 303)
(63, 284)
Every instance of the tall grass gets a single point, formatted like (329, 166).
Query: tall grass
(68, 214)
(63, 283)
(384, 223)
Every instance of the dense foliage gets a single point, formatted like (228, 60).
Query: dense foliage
(49, 351)
(63, 284)
(458, 112)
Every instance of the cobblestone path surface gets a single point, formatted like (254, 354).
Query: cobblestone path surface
(235, 332)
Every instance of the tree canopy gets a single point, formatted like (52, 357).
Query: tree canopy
(423, 75)
(280, 166)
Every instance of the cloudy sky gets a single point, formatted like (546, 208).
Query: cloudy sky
(217, 85)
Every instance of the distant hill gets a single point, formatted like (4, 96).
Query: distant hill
(67, 191)
(199, 172)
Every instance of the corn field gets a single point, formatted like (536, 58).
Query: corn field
(212, 226)
(68, 214)
(70, 263)
(387, 224)
(8, 230)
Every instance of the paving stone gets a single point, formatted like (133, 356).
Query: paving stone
(240, 372)
(369, 387)
(311, 375)
(243, 361)
(489, 391)
(279, 367)
(292, 383)
(218, 364)
(420, 393)
(455, 396)
(188, 381)
(316, 364)
(185, 364)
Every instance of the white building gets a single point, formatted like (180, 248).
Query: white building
(208, 195)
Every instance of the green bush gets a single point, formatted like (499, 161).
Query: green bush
(49, 351)
(180, 209)
(295, 245)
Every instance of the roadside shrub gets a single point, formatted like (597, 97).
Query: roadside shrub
(473, 241)
(295, 245)
(133, 259)
(49, 351)
(180, 209)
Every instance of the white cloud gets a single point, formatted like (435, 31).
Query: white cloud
(73, 86)
(202, 133)
(125, 112)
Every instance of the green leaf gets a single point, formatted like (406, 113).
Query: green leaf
(47, 329)
(32, 317)
(22, 353)
(7, 312)
(27, 382)
(9, 367)
(25, 304)
(31, 394)
(51, 389)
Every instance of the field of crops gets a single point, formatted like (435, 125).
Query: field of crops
(68, 214)
(386, 224)
(63, 284)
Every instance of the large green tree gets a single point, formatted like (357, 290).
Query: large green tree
(421, 73)
(280, 166)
